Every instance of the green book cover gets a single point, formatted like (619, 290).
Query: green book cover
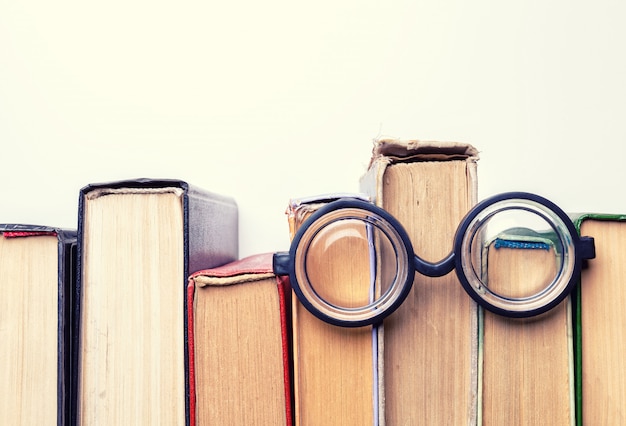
(578, 220)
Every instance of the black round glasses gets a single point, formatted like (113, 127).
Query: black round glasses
(353, 239)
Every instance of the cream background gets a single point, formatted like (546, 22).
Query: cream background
(270, 100)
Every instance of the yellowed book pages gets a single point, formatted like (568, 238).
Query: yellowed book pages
(28, 330)
(527, 364)
(333, 366)
(131, 356)
(138, 241)
(428, 348)
(241, 363)
(603, 323)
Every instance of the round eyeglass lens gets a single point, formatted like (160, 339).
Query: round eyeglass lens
(517, 257)
(350, 267)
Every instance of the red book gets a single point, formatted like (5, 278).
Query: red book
(239, 349)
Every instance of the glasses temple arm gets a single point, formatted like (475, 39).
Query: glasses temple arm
(280, 263)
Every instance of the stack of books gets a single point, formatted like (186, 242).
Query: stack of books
(145, 314)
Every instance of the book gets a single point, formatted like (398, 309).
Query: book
(427, 349)
(36, 284)
(138, 241)
(239, 344)
(600, 320)
(526, 363)
(335, 368)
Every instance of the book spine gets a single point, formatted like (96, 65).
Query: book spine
(211, 239)
(66, 278)
(579, 220)
(191, 370)
(422, 198)
(327, 387)
(284, 292)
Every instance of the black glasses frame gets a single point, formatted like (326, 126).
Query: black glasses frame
(285, 263)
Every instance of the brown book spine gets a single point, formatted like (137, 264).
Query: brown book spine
(334, 367)
(428, 348)
(527, 363)
(248, 269)
(601, 323)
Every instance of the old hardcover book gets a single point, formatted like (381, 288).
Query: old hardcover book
(526, 363)
(138, 240)
(428, 347)
(335, 368)
(601, 323)
(239, 344)
(37, 265)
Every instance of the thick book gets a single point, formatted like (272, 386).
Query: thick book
(526, 363)
(428, 347)
(335, 368)
(37, 271)
(239, 344)
(601, 322)
(138, 242)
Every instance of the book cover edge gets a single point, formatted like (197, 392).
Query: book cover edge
(66, 243)
(578, 219)
(192, 197)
